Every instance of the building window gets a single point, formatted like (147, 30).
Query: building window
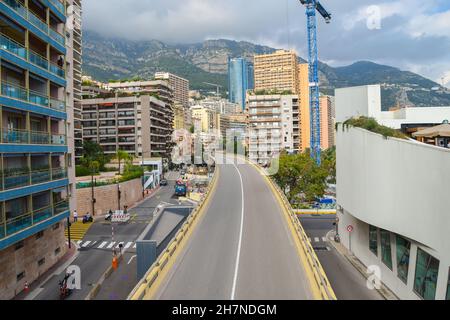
(20, 276)
(40, 234)
(373, 240)
(19, 245)
(403, 249)
(41, 262)
(427, 269)
(386, 252)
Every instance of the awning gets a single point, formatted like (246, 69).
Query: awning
(442, 130)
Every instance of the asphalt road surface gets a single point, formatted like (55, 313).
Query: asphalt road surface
(95, 254)
(241, 249)
(347, 282)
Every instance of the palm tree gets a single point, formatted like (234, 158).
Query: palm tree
(121, 155)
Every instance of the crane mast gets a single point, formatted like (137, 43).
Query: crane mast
(313, 58)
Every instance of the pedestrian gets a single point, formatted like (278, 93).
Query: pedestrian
(75, 216)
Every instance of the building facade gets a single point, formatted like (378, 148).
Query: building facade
(277, 71)
(180, 87)
(141, 126)
(392, 192)
(273, 126)
(327, 123)
(240, 79)
(36, 124)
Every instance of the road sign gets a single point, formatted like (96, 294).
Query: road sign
(350, 228)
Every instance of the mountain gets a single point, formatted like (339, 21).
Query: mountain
(112, 58)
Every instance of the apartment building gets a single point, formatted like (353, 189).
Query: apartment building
(273, 122)
(161, 89)
(140, 125)
(277, 71)
(205, 118)
(233, 124)
(327, 122)
(179, 117)
(36, 123)
(180, 86)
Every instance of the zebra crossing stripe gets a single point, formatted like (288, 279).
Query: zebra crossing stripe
(79, 242)
(86, 244)
(102, 245)
(111, 245)
(316, 239)
(128, 245)
(324, 239)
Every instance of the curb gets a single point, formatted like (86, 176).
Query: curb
(384, 291)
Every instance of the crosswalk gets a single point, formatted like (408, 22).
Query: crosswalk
(318, 239)
(320, 243)
(78, 230)
(89, 244)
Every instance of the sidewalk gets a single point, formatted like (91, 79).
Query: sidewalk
(66, 260)
(384, 291)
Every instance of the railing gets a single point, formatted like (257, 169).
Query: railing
(20, 93)
(12, 136)
(24, 177)
(19, 50)
(58, 5)
(36, 21)
(22, 222)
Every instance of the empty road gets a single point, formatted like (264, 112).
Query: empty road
(241, 248)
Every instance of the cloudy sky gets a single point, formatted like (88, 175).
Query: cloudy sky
(409, 34)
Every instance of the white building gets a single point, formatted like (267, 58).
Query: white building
(366, 101)
(394, 192)
(273, 122)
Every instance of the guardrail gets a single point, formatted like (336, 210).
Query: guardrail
(320, 277)
(145, 286)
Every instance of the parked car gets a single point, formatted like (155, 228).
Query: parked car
(163, 183)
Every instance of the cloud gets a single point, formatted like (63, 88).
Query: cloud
(402, 33)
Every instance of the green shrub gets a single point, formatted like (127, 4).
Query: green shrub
(81, 171)
(372, 125)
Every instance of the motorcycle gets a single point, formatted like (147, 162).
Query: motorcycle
(64, 292)
(108, 216)
(87, 219)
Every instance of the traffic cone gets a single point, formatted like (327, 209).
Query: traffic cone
(114, 263)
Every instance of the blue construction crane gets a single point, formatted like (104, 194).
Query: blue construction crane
(311, 7)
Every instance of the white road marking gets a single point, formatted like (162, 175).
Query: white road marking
(324, 239)
(79, 242)
(316, 239)
(131, 259)
(238, 257)
(86, 244)
(102, 245)
(110, 245)
(134, 247)
(128, 245)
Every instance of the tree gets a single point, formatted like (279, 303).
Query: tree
(300, 178)
(122, 155)
(92, 151)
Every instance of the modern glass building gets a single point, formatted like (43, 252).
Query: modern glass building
(34, 156)
(240, 79)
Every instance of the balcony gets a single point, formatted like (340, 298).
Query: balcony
(58, 5)
(9, 136)
(34, 58)
(23, 177)
(19, 93)
(18, 224)
(36, 21)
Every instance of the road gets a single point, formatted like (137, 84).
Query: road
(347, 282)
(241, 248)
(95, 254)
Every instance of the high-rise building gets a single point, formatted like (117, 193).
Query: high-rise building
(179, 117)
(273, 125)
(280, 73)
(277, 71)
(240, 79)
(140, 125)
(180, 87)
(327, 122)
(36, 108)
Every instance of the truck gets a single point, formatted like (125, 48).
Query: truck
(181, 188)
